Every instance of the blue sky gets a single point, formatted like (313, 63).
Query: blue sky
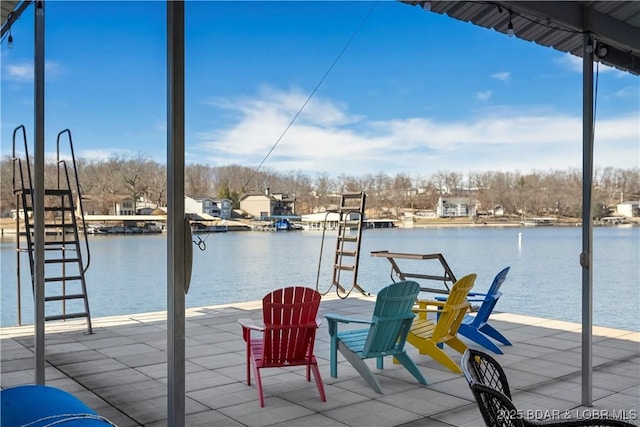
(413, 92)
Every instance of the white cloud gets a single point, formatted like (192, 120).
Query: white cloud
(483, 96)
(23, 72)
(19, 72)
(328, 138)
(503, 76)
(574, 63)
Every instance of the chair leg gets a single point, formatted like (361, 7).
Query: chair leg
(475, 336)
(316, 376)
(361, 367)
(456, 344)
(333, 356)
(431, 349)
(249, 362)
(493, 333)
(259, 386)
(410, 366)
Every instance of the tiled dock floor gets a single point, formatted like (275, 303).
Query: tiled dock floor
(120, 371)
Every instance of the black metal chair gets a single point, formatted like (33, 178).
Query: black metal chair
(490, 389)
(483, 369)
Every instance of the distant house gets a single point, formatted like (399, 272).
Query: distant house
(116, 205)
(223, 208)
(456, 207)
(628, 209)
(199, 205)
(497, 211)
(267, 204)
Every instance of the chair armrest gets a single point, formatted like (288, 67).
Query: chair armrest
(429, 310)
(342, 319)
(477, 294)
(426, 302)
(250, 324)
(468, 299)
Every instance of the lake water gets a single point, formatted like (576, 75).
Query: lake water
(128, 273)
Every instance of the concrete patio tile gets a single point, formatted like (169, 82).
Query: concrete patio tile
(111, 378)
(226, 395)
(275, 411)
(314, 420)
(124, 350)
(372, 413)
(426, 402)
(206, 418)
(137, 360)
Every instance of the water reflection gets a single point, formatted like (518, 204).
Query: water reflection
(128, 273)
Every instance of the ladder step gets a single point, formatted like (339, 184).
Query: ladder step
(48, 191)
(346, 253)
(61, 260)
(345, 267)
(64, 297)
(66, 316)
(52, 209)
(62, 279)
(69, 245)
(348, 238)
(62, 244)
(352, 195)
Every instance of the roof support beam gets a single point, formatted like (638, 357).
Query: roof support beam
(176, 240)
(577, 17)
(38, 200)
(586, 256)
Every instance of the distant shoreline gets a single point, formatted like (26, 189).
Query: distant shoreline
(8, 225)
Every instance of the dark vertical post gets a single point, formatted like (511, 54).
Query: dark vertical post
(38, 196)
(586, 257)
(175, 217)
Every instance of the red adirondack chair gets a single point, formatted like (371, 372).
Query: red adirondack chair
(287, 337)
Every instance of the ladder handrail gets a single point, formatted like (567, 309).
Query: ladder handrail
(15, 159)
(78, 191)
(26, 154)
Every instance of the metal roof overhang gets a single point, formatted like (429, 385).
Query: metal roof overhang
(614, 25)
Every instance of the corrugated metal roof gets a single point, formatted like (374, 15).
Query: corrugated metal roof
(9, 6)
(614, 25)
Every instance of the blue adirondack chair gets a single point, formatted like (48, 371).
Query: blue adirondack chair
(385, 336)
(476, 326)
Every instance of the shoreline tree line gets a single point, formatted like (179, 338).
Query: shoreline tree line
(537, 193)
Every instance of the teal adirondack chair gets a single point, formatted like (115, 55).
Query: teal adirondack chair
(385, 336)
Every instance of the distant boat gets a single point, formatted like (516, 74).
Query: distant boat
(539, 222)
(282, 225)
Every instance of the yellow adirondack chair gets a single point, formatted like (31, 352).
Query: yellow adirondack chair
(428, 334)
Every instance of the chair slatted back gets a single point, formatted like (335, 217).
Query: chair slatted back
(392, 318)
(454, 310)
(491, 299)
(479, 367)
(496, 408)
(289, 317)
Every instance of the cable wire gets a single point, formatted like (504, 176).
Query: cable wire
(315, 89)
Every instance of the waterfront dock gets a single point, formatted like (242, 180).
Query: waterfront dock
(120, 371)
